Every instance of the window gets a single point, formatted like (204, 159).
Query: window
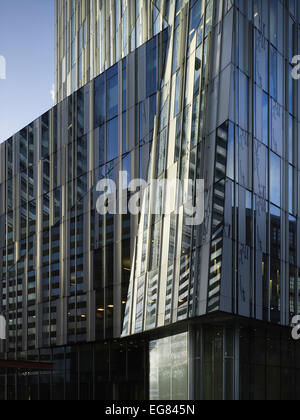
(151, 67)
(292, 190)
(273, 73)
(112, 93)
(275, 179)
(112, 140)
(169, 368)
(99, 101)
(274, 22)
(265, 118)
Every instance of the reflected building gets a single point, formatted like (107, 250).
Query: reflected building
(147, 306)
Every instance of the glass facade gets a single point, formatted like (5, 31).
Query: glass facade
(169, 368)
(198, 89)
(261, 183)
(57, 253)
(93, 35)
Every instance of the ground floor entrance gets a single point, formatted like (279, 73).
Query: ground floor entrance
(213, 359)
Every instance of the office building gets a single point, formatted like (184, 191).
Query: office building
(148, 306)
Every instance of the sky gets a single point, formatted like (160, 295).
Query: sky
(27, 40)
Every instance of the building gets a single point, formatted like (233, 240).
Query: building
(147, 306)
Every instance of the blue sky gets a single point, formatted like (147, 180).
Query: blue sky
(27, 44)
